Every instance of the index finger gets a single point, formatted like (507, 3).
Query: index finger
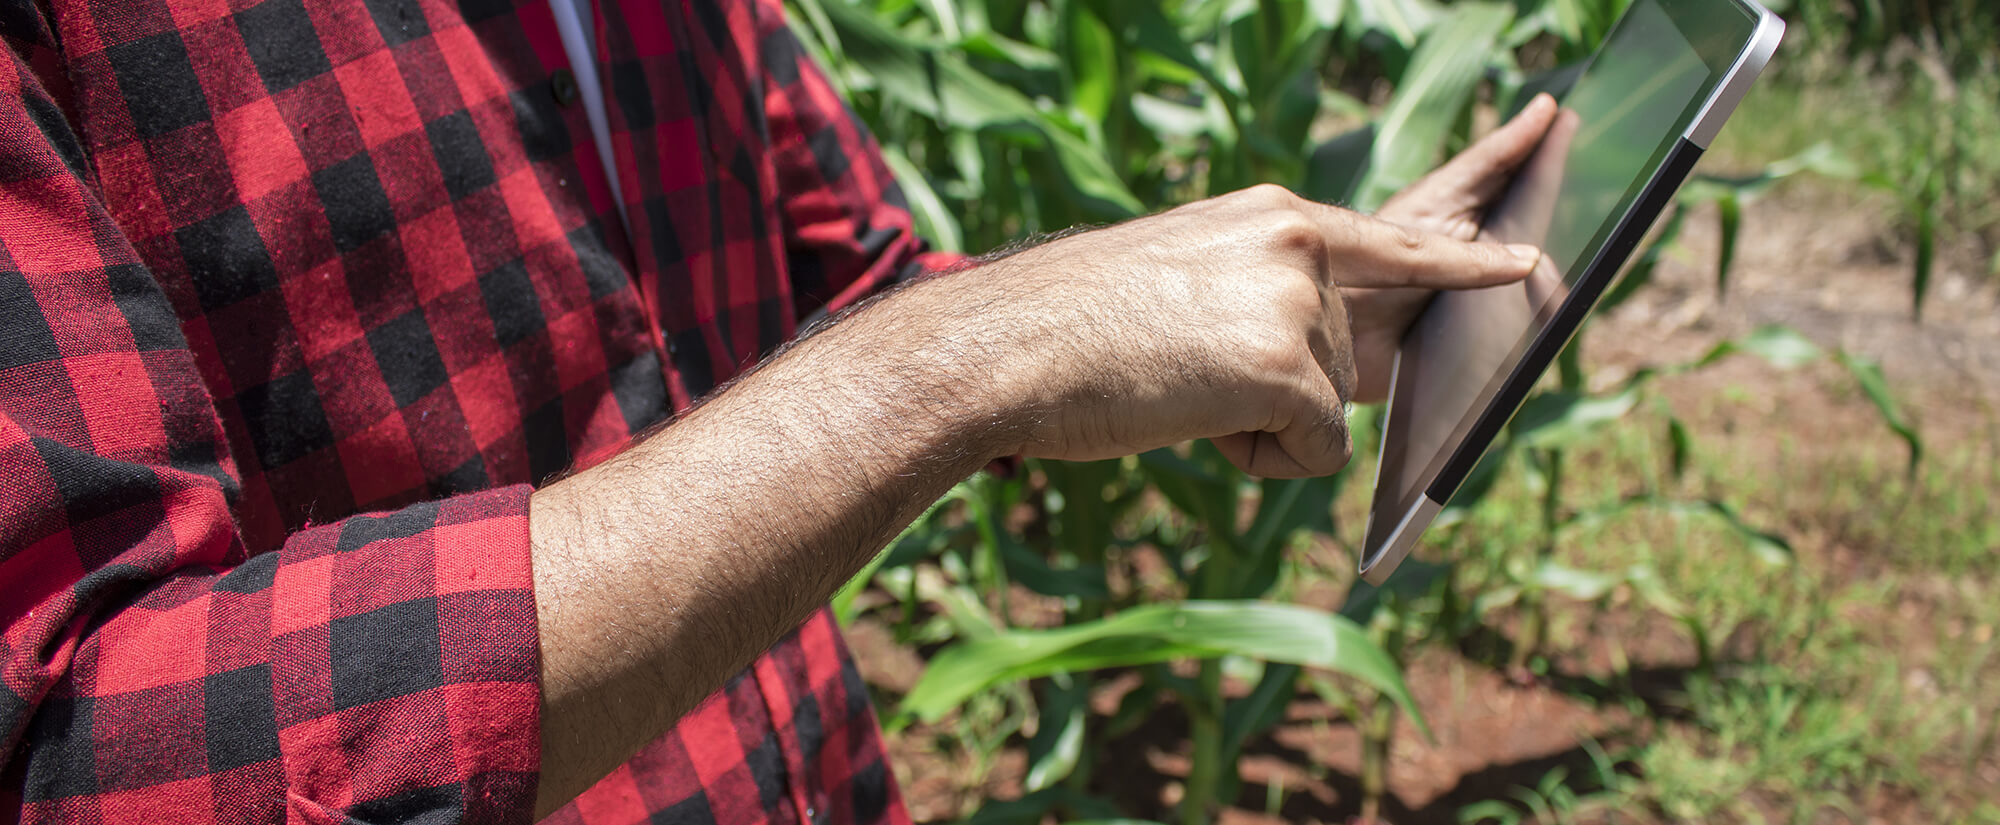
(1368, 252)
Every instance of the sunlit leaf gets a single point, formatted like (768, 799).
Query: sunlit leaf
(1053, 752)
(1401, 20)
(1326, 14)
(1158, 633)
(1778, 344)
(993, 46)
(1167, 118)
(945, 14)
(1432, 93)
(1582, 585)
(935, 222)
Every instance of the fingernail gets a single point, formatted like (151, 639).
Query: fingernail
(1527, 253)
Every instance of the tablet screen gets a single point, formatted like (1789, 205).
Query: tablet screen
(1616, 125)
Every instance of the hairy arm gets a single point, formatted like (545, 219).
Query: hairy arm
(663, 571)
(669, 568)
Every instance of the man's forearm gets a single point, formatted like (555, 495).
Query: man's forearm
(669, 568)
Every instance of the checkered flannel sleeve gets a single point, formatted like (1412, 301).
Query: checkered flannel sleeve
(380, 668)
(848, 226)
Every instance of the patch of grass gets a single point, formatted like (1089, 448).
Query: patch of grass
(1851, 682)
(1924, 125)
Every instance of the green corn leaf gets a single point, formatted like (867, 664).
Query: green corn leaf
(1767, 546)
(1570, 23)
(945, 14)
(1157, 633)
(1199, 488)
(1169, 119)
(1403, 21)
(1414, 578)
(1681, 444)
(941, 86)
(817, 32)
(1555, 419)
(1778, 344)
(1326, 14)
(1873, 385)
(1926, 240)
(1820, 159)
(997, 47)
(935, 221)
(1092, 67)
(961, 607)
(1582, 585)
(1729, 218)
(1251, 715)
(1290, 505)
(911, 541)
(1149, 29)
(1053, 753)
(1337, 167)
(1035, 573)
(1491, 812)
(1434, 90)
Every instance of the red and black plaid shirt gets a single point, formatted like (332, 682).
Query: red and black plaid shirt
(296, 301)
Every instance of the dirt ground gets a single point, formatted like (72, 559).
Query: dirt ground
(1818, 262)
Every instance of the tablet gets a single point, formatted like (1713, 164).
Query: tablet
(1630, 128)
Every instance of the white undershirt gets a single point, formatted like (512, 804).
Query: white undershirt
(574, 22)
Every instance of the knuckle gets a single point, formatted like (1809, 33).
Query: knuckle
(1293, 231)
(1268, 354)
(1408, 239)
(1270, 195)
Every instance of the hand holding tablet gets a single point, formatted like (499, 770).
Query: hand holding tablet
(1627, 134)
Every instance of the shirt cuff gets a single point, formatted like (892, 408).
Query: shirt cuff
(406, 664)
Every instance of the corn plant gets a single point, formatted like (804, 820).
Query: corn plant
(1005, 118)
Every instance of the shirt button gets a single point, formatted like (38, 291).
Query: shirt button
(563, 83)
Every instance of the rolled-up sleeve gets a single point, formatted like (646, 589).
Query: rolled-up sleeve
(381, 668)
(848, 229)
